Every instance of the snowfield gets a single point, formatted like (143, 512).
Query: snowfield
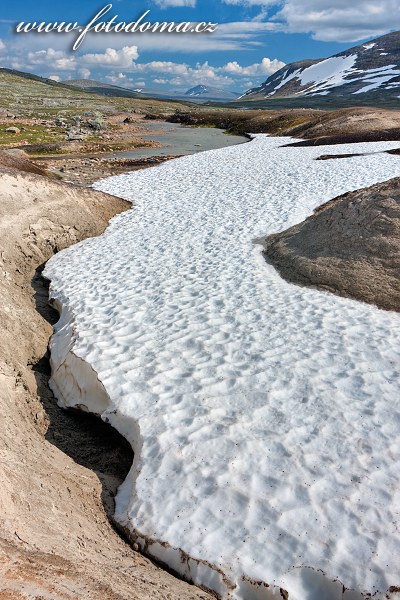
(264, 416)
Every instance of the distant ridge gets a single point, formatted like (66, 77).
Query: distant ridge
(104, 89)
(206, 91)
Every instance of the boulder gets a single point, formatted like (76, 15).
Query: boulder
(14, 130)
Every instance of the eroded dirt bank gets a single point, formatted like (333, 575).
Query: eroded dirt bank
(57, 470)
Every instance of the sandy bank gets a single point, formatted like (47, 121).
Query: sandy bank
(55, 538)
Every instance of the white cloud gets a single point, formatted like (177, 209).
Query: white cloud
(265, 67)
(166, 67)
(55, 59)
(2, 45)
(244, 29)
(55, 78)
(340, 20)
(182, 74)
(112, 57)
(59, 60)
(84, 73)
(171, 3)
(120, 78)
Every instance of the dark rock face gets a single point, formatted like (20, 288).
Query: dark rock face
(350, 246)
(372, 67)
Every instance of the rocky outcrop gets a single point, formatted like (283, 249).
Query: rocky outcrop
(56, 484)
(350, 246)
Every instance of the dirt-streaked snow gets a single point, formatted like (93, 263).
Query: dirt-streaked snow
(264, 416)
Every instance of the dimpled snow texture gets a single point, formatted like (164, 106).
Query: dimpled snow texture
(264, 416)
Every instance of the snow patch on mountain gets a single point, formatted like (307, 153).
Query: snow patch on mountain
(328, 73)
(372, 67)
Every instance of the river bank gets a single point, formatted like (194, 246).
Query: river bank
(166, 141)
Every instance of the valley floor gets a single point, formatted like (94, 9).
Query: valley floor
(262, 414)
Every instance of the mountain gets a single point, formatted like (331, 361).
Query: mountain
(199, 93)
(210, 93)
(104, 89)
(372, 68)
(107, 89)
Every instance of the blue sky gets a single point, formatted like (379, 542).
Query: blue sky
(253, 39)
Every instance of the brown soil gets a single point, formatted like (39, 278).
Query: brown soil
(364, 135)
(349, 246)
(17, 159)
(87, 170)
(58, 470)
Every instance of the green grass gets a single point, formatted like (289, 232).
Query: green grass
(31, 134)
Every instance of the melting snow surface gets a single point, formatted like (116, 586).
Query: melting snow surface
(375, 78)
(323, 75)
(264, 416)
(328, 73)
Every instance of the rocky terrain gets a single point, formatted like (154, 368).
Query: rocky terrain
(59, 471)
(350, 246)
(86, 170)
(47, 118)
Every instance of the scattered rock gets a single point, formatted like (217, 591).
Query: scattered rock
(96, 124)
(75, 136)
(14, 130)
